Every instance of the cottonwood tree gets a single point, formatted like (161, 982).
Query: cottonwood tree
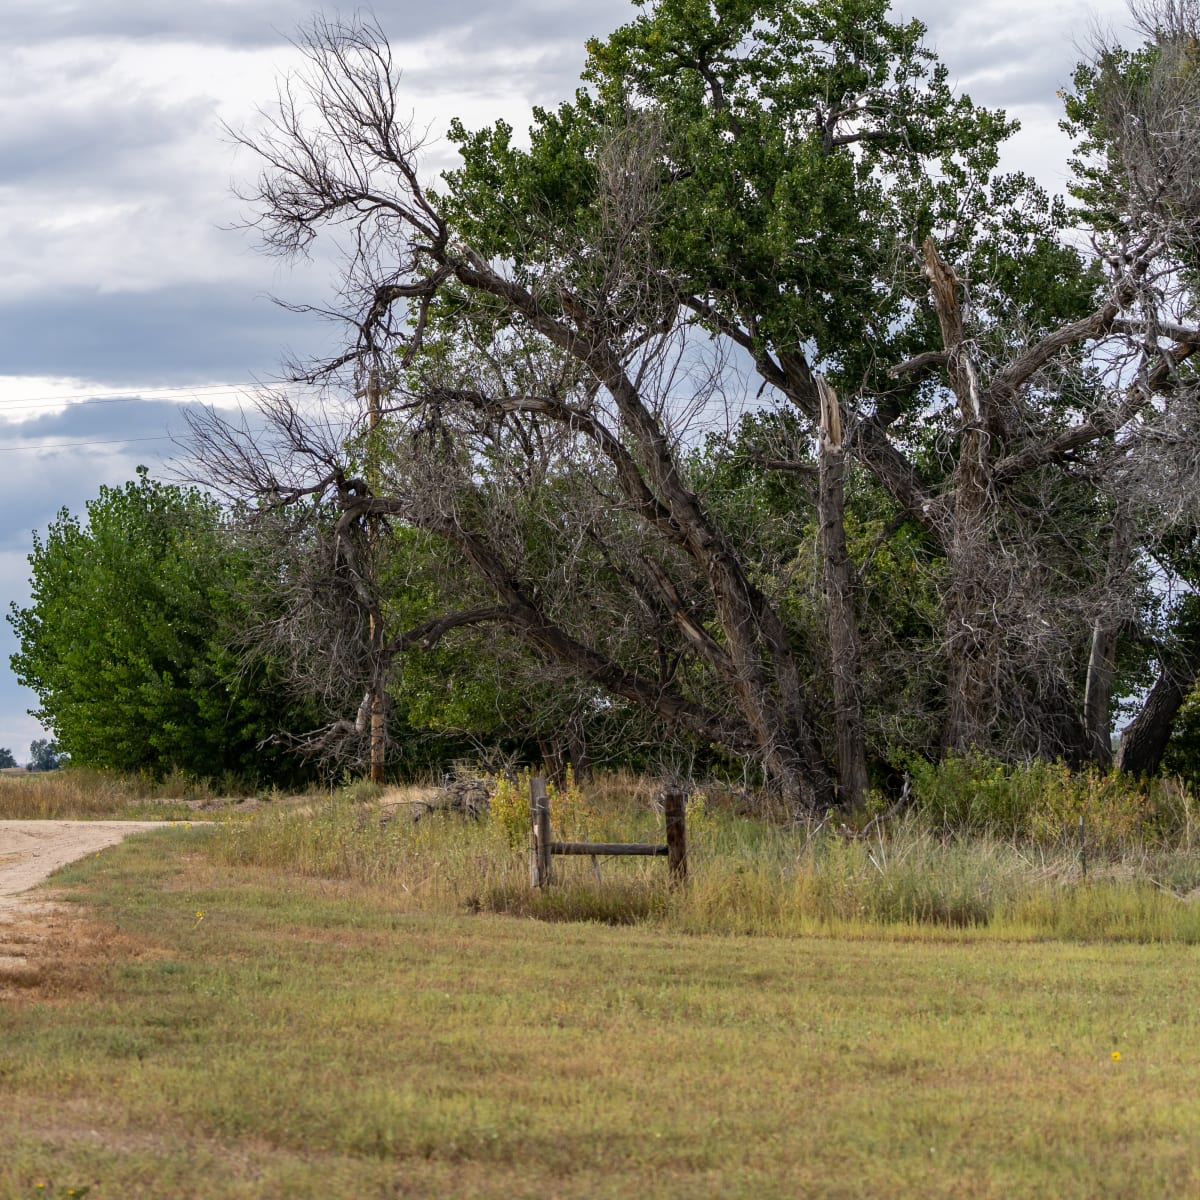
(127, 638)
(754, 204)
(1137, 175)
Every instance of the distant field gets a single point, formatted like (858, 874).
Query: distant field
(82, 794)
(215, 1030)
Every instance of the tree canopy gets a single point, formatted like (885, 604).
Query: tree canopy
(129, 638)
(749, 395)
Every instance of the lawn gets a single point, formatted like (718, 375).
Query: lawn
(211, 1029)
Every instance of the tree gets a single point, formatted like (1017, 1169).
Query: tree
(6, 759)
(785, 189)
(44, 755)
(127, 640)
(1136, 115)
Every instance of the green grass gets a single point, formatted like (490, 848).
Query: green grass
(747, 876)
(317, 1035)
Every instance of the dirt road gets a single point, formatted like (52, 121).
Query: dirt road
(34, 931)
(31, 850)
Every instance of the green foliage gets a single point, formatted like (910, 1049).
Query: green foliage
(1183, 750)
(1042, 802)
(571, 817)
(126, 640)
(791, 148)
(786, 155)
(6, 758)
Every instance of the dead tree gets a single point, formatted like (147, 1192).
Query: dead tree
(845, 656)
(560, 360)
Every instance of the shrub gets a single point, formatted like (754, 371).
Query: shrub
(571, 816)
(1044, 803)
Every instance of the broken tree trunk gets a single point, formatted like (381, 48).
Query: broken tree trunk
(845, 659)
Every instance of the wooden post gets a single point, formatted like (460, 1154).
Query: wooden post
(539, 833)
(673, 810)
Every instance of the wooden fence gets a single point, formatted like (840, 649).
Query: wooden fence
(542, 849)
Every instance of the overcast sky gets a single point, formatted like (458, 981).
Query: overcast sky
(121, 279)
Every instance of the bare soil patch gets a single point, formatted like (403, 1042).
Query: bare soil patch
(34, 931)
(31, 850)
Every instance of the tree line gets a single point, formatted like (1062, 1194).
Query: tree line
(748, 416)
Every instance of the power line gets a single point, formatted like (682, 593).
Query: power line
(162, 437)
(166, 437)
(19, 405)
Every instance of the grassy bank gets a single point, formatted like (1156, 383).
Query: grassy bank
(748, 876)
(982, 851)
(233, 1030)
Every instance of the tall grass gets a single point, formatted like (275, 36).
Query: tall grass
(918, 877)
(81, 793)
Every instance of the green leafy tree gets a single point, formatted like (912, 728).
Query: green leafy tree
(767, 187)
(6, 758)
(44, 755)
(126, 639)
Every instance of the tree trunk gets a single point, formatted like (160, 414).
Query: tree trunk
(378, 671)
(576, 738)
(554, 759)
(1097, 698)
(972, 639)
(1145, 738)
(845, 659)
(377, 699)
(378, 735)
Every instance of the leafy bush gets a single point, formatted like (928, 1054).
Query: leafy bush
(1041, 802)
(570, 814)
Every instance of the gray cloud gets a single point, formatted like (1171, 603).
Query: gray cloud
(272, 22)
(115, 146)
(1014, 54)
(172, 335)
(110, 417)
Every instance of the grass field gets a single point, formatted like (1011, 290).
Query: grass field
(215, 1028)
(81, 794)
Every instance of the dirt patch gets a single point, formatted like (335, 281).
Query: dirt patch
(35, 931)
(31, 850)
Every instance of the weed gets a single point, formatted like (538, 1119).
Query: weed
(570, 813)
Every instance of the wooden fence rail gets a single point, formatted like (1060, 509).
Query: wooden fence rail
(542, 849)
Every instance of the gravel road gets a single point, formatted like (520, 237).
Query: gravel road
(30, 850)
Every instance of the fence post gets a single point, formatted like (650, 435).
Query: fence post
(539, 833)
(673, 811)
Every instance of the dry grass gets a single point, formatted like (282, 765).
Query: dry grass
(78, 793)
(747, 876)
(309, 1037)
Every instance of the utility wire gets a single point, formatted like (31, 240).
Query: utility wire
(166, 437)
(162, 437)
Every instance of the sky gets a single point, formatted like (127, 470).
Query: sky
(127, 287)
